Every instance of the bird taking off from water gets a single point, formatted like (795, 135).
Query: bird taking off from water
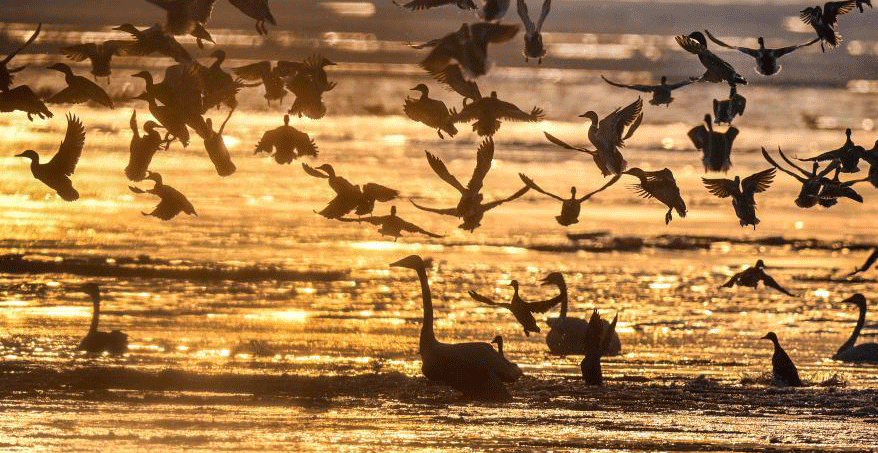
(751, 277)
(742, 193)
(56, 172)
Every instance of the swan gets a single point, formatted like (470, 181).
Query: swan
(475, 369)
(95, 341)
(566, 335)
(866, 352)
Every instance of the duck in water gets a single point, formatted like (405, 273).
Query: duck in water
(661, 93)
(742, 193)
(751, 277)
(782, 367)
(475, 369)
(596, 344)
(56, 172)
(523, 311)
(566, 335)
(660, 185)
(96, 341)
(861, 353)
(570, 207)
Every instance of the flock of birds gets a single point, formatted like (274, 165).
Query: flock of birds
(455, 61)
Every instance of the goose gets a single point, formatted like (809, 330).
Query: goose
(22, 98)
(349, 197)
(567, 335)
(256, 9)
(782, 367)
(99, 55)
(812, 182)
(742, 193)
(596, 344)
(570, 207)
(56, 172)
(660, 185)
(451, 77)
(270, 77)
(608, 135)
(417, 5)
(78, 90)
(523, 311)
(285, 141)
(823, 20)
(7, 74)
(96, 341)
(766, 58)
(471, 194)
(533, 38)
(849, 155)
(866, 352)
(726, 110)
(870, 260)
(468, 47)
(168, 117)
(472, 217)
(431, 112)
(717, 70)
(155, 40)
(172, 201)
(143, 148)
(216, 148)
(751, 277)
(716, 147)
(392, 225)
(661, 93)
(308, 81)
(487, 112)
(475, 369)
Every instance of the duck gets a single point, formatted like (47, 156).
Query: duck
(608, 135)
(216, 148)
(471, 194)
(487, 112)
(661, 93)
(99, 55)
(451, 77)
(6, 74)
(717, 69)
(468, 47)
(96, 341)
(184, 17)
(861, 353)
(782, 367)
(523, 311)
(567, 335)
(392, 225)
(270, 77)
(812, 182)
(660, 185)
(417, 5)
(22, 98)
(308, 82)
(824, 19)
(56, 172)
(143, 148)
(431, 112)
(596, 344)
(533, 38)
(475, 212)
(849, 155)
(726, 110)
(751, 277)
(475, 369)
(285, 141)
(870, 260)
(172, 203)
(168, 117)
(766, 58)
(742, 193)
(155, 39)
(833, 188)
(256, 9)
(349, 197)
(181, 90)
(570, 207)
(219, 86)
(78, 90)
(716, 147)
(598, 160)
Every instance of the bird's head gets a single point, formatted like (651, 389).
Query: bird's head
(30, 154)
(591, 115)
(154, 176)
(634, 171)
(328, 169)
(770, 336)
(61, 67)
(92, 289)
(857, 299)
(554, 278)
(326, 62)
(497, 340)
(761, 42)
(413, 262)
(514, 284)
(707, 119)
(393, 211)
(127, 28)
(219, 54)
(760, 264)
(145, 75)
(572, 191)
(664, 80)
(422, 88)
(286, 119)
(494, 94)
(698, 36)
(150, 125)
(848, 132)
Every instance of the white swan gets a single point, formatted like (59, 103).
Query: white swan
(867, 352)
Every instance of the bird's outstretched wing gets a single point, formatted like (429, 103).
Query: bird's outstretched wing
(374, 220)
(831, 10)
(721, 188)
(674, 86)
(511, 112)
(15, 52)
(338, 207)
(630, 115)
(80, 52)
(484, 158)
(785, 50)
(253, 71)
(869, 262)
(690, 45)
(530, 183)
(547, 5)
(496, 33)
(133, 123)
(442, 171)
(542, 306)
(412, 228)
(758, 182)
(494, 204)
(67, 157)
(447, 211)
(314, 172)
(746, 50)
(643, 88)
(379, 192)
(482, 299)
(770, 282)
(810, 15)
(529, 27)
(69, 95)
(558, 142)
(452, 78)
(604, 187)
(776, 165)
(732, 281)
(417, 5)
(700, 136)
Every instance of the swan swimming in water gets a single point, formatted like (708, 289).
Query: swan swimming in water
(866, 352)
(566, 335)
(95, 341)
(475, 369)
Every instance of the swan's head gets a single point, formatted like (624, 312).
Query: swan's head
(857, 299)
(770, 336)
(413, 262)
(497, 340)
(92, 289)
(514, 284)
(555, 278)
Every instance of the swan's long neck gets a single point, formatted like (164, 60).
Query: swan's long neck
(856, 333)
(96, 313)
(563, 296)
(428, 337)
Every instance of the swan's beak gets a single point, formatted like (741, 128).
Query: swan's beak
(545, 282)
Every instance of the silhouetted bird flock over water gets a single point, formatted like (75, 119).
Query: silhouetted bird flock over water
(455, 61)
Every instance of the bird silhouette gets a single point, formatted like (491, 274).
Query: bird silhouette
(56, 172)
(23, 99)
(492, 10)
(608, 135)
(143, 148)
(78, 90)
(812, 182)
(523, 311)
(742, 193)
(533, 38)
(287, 142)
(349, 197)
(185, 17)
(451, 78)
(219, 87)
(392, 225)
(716, 147)
(256, 9)
(567, 335)
(217, 150)
(168, 117)
(661, 93)
(766, 58)
(468, 47)
(717, 69)
(308, 80)
(96, 341)
(660, 185)
(824, 20)
(726, 110)
(870, 260)
(861, 353)
(155, 40)
(782, 367)
(8, 74)
(416, 5)
(849, 155)
(100, 55)
(570, 207)
(431, 112)
(597, 342)
(172, 203)
(751, 277)
(487, 112)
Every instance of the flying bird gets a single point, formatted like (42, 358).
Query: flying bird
(23, 99)
(392, 225)
(812, 182)
(256, 9)
(488, 111)
(533, 38)
(99, 55)
(172, 201)
(716, 147)
(608, 135)
(349, 197)
(143, 148)
(216, 148)
(287, 142)
(766, 58)
(597, 342)
(523, 311)
(726, 110)
(416, 5)
(308, 81)
(717, 69)
(661, 93)
(660, 185)
(431, 112)
(56, 172)
(848, 155)
(184, 17)
(742, 193)
(7, 74)
(570, 207)
(870, 260)
(825, 19)
(451, 78)
(154, 40)
(468, 47)
(78, 90)
(751, 277)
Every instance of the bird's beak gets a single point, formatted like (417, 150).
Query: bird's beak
(582, 116)
(545, 282)
(19, 155)
(765, 337)
(397, 263)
